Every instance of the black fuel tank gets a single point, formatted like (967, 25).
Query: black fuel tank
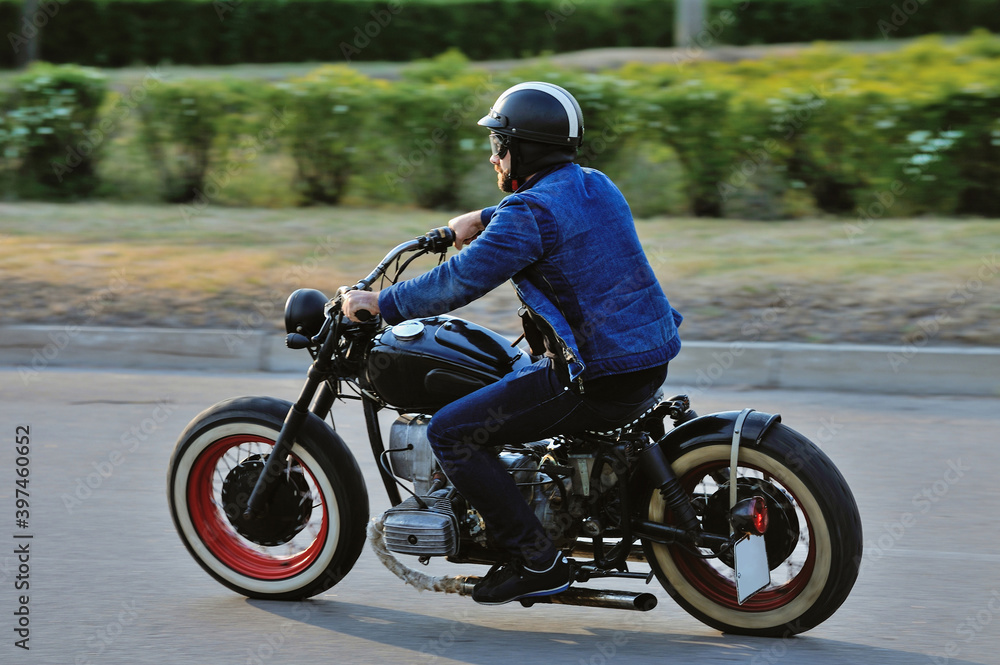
(424, 364)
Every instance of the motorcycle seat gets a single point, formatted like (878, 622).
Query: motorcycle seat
(633, 419)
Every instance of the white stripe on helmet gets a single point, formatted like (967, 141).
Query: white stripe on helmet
(560, 95)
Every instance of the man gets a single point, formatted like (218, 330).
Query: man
(593, 311)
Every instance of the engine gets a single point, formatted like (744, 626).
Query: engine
(433, 523)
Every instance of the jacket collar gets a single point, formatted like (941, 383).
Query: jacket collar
(537, 177)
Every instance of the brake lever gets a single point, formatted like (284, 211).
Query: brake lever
(324, 329)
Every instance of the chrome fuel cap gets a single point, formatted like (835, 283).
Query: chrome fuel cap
(408, 330)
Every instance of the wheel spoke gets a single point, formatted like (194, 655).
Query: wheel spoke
(253, 559)
(715, 577)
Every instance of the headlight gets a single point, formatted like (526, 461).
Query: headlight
(304, 312)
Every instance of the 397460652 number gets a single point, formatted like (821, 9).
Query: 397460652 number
(22, 448)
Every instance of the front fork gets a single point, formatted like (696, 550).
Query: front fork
(317, 397)
(276, 461)
(319, 371)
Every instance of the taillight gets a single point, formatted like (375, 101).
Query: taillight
(750, 515)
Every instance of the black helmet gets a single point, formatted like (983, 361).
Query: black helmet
(304, 312)
(537, 111)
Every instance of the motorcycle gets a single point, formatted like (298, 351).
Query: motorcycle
(744, 522)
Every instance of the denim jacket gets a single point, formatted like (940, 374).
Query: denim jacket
(567, 242)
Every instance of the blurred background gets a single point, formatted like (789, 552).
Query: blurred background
(800, 170)
(815, 184)
(823, 172)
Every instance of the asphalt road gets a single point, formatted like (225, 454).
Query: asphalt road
(109, 581)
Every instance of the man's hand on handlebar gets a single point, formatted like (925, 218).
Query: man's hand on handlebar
(360, 301)
(466, 228)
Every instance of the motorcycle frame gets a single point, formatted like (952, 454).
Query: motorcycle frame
(321, 390)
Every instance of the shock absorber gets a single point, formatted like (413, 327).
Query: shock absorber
(653, 462)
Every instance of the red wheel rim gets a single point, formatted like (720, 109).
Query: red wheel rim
(217, 533)
(720, 589)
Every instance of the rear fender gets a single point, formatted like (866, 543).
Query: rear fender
(655, 462)
(717, 427)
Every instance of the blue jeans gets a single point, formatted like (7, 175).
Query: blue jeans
(525, 406)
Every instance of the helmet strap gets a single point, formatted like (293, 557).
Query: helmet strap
(514, 146)
(513, 178)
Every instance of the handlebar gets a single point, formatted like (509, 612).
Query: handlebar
(435, 241)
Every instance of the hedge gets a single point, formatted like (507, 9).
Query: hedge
(327, 111)
(114, 33)
(845, 128)
(829, 131)
(48, 132)
(777, 21)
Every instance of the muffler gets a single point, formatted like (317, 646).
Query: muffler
(618, 600)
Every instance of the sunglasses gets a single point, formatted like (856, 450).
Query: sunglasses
(498, 144)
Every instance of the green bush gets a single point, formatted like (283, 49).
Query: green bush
(328, 113)
(881, 129)
(694, 118)
(843, 128)
(974, 120)
(427, 125)
(187, 127)
(179, 125)
(8, 148)
(115, 33)
(907, 132)
(838, 153)
(49, 131)
(950, 160)
(782, 21)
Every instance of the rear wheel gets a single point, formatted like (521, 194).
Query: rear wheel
(813, 544)
(314, 527)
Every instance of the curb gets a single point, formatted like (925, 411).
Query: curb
(839, 367)
(700, 366)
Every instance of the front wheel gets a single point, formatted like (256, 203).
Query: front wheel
(814, 542)
(314, 527)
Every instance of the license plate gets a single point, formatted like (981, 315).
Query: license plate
(752, 571)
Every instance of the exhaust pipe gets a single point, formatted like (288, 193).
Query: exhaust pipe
(618, 600)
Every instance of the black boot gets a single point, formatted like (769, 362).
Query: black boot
(514, 580)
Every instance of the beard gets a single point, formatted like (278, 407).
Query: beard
(504, 181)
